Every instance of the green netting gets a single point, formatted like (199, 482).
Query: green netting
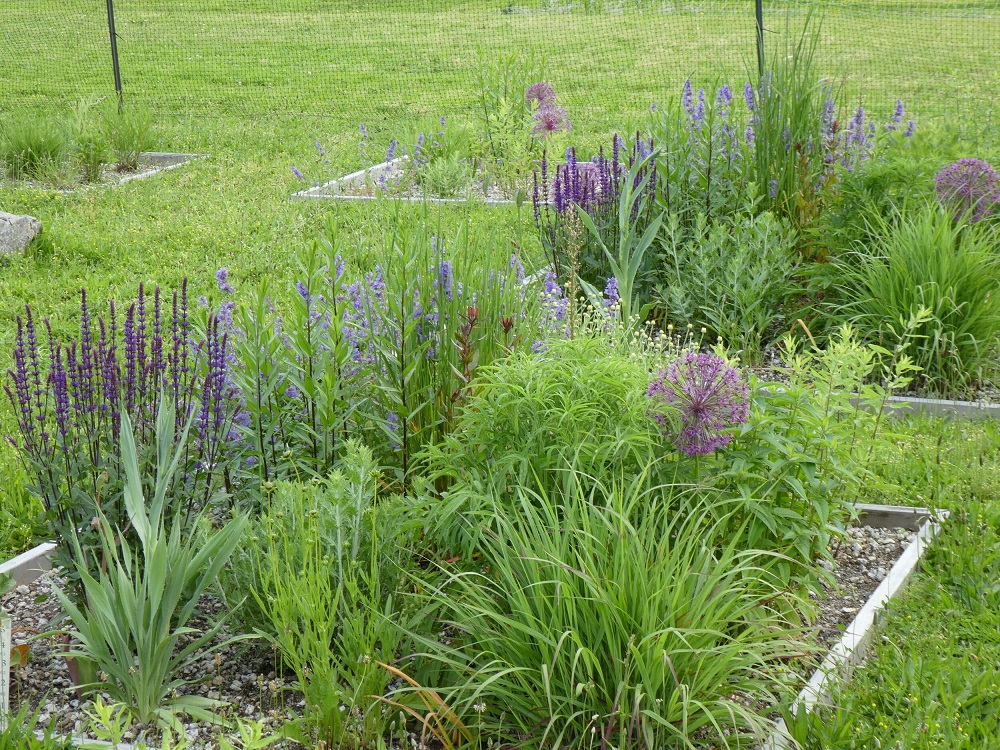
(394, 58)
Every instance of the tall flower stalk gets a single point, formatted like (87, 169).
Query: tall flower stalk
(70, 398)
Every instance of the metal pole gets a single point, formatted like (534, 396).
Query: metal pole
(760, 36)
(114, 52)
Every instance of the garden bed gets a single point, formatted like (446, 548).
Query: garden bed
(872, 564)
(380, 180)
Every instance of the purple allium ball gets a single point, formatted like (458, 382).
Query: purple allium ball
(968, 187)
(541, 93)
(550, 119)
(708, 396)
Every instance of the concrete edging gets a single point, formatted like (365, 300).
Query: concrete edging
(838, 666)
(331, 190)
(29, 565)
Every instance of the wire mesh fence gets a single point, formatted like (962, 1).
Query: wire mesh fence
(394, 58)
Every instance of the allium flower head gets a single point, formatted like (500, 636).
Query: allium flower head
(968, 187)
(709, 397)
(541, 93)
(550, 119)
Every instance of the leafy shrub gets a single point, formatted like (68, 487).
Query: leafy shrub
(532, 414)
(734, 277)
(31, 146)
(614, 613)
(327, 565)
(139, 604)
(928, 263)
(798, 462)
(129, 132)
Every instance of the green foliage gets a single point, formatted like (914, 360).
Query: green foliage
(613, 610)
(926, 262)
(530, 416)
(22, 517)
(87, 143)
(133, 630)
(31, 146)
(505, 141)
(798, 462)
(294, 375)
(19, 733)
(129, 132)
(735, 277)
(327, 558)
(634, 241)
(446, 176)
(790, 176)
(933, 680)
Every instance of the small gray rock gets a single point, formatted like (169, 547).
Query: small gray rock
(16, 232)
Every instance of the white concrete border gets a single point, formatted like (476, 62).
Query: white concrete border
(338, 189)
(27, 566)
(850, 650)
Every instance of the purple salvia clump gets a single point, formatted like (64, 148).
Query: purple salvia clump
(709, 398)
(969, 188)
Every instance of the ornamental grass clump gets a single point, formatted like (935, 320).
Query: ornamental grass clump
(612, 613)
(969, 188)
(946, 274)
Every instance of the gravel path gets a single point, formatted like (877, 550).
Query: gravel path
(244, 675)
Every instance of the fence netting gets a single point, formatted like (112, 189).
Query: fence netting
(368, 58)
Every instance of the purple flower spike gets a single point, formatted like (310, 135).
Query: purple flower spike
(748, 95)
(222, 278)
(297, 173)
(709, 398)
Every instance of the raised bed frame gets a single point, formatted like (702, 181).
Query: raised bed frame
(338, 189)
